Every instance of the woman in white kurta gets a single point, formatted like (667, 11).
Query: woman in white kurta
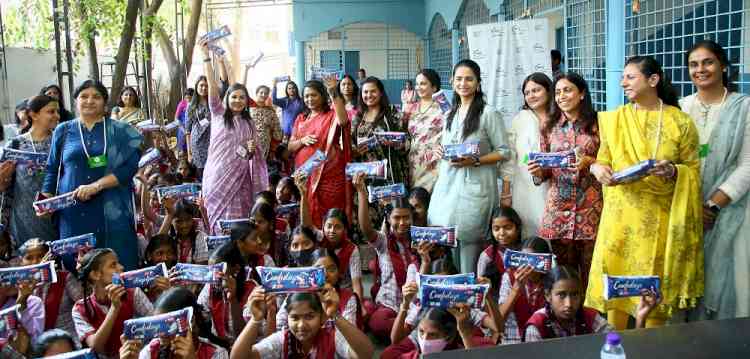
(466, 189)
(523, 136)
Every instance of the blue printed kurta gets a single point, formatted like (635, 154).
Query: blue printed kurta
(109, 214)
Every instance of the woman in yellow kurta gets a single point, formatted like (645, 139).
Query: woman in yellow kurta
(652, 226)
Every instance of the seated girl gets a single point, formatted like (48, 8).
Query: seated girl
(442, 330)
(181, 224)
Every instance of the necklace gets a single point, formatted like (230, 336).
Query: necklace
(96, 161)
(706, 108)
(658, 131)
(419, 108)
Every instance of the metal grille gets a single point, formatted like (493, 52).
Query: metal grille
(514, 9)
(666, 29)
(398, 64)
(440, 50)
(472, 12)
(586, 24)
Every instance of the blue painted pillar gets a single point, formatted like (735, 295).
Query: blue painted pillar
(615, 52)
(455, 53)
(299, 54)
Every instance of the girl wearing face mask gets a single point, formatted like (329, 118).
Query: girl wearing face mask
(467, 187)
(574, 200)
(21, 182)
(266, 122)
(443, 330)
(564, 315)
(425, 121)
(721, 116)
(664, 208)
(128, 109)
(523, 135)
(291, 106)
(315, 330)
(236, 167)
(324, 127)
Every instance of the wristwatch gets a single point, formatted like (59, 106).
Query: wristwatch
(477, 163)
(712, 206)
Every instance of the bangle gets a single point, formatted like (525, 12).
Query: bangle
(257, 322)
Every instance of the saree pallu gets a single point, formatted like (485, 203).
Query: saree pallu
(230, 182)
(652, 226)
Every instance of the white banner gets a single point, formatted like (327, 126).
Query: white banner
(507, 52)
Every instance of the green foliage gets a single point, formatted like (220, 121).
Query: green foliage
(28, 23)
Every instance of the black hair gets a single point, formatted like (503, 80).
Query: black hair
(41, 343)
(189, 92)
(543, 80)
(305, 231)
(273, 179)
(289, 183)
(196, 100)
(239, 231)
(318, 87)
(555, 54)
(134, 93)
(36, 104)
(337, 213)
(330, 253)
(362, 71)
(432, 76)
(587, 114)
(445, 321)
(44, 90)
(267, 196)
(491, 271)
(229, 253)
(155, 243)
(177, 298)
(558, 273)
(421, 195)
(537, 245)
(296, 89)
(444, 264)
(228, 114)
(410, 82)
(649, 66)
(262, 87)
(191, 171)
(22, 106)
(183, 207)
(473, 115)
(91, 261)
(97, 85)
(510, 214)
(355, 89)
(721, 55)
(167, 178)
(293, 344)
(385, 103)
(398, 203)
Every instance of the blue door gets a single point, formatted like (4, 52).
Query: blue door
(351, 63)
(330, 59)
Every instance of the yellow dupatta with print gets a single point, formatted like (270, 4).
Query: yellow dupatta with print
(652, 226)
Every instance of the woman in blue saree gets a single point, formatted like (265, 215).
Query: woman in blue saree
(96, 158)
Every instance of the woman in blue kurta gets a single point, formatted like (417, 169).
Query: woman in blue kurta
(96, 158)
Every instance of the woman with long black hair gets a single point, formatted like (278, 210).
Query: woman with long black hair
(55, 92)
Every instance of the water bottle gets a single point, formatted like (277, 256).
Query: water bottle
(612, 348)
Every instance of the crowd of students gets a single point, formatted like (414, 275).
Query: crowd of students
(691, 206)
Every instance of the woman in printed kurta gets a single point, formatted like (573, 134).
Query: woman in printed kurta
(721, 116)
(96, 158)
(26, 180)
(235, 168)
(466, 189)
(574, 200)
(425, 122)
(198, 127)
(266, 122)
(651, 226)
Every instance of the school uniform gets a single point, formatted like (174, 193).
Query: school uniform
(529, 300)
(329, 344)
(541, 326)
(204, 350)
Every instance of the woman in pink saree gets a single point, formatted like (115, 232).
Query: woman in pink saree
(235, 169)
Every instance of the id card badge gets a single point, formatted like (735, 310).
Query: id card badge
(97, 161)
(704, 150)
(204, 122)
(241, 151)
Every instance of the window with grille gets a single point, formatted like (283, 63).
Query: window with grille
(472, 12)
(586, 22)
(440, 49)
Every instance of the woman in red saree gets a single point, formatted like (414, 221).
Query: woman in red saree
(325, 128)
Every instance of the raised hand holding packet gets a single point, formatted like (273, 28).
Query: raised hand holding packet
(169, 324)
(42, 273)
(630, 286)
(225, 224)
(311, 164)
(435, 279)
(372, 170)
(141, 278)
(72, 245)
(448, 296)
(540, 262)
(444, 236)
(291, 280)
(198, 274)
(217, 34)
(179, 191)
(388, 192)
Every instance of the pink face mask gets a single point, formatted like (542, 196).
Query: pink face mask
(429, 346)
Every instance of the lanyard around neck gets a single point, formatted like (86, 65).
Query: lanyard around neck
(83, 143)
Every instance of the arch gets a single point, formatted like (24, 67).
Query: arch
(439, 38)
(471, 12)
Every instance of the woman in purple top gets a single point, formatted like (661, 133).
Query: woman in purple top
(235, 169)
(291, 106)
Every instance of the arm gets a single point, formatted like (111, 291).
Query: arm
(223, 73)
(276, 101)
(304, 211)
(49, 186)
(363, 210)
(244, 74)
(249, 335)
(339, 105)
(400, 329)
(98, 341)
(208, 70)
(359, 343)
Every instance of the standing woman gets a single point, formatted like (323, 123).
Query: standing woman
(721, 116)
(235, 168)
(425, 122)
(408, 95)
(326, 129)
(26, 181)
(266, 122)
(291, 106)
(198, 127)
(55, 92)
(128, 109)
(574, 200)
(350, 91)
(96, 158)
(651, 226)
(467, 187)
(528, 199)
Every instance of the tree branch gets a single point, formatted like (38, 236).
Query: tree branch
(122, 58)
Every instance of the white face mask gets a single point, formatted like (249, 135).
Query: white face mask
(429, 346)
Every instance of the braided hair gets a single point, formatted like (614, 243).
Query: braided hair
(91, 261)
(558, 273)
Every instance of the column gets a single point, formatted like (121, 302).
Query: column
(615, 52)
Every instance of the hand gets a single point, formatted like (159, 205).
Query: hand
(423, 249)
(583, 162)
(602, 173)
(168, 203)
(331, 83)
(438, 151)
(130, 349)
(251, 147)
(160, 284)
(115, 294)
(21, 342)
(330, 300)
(86, 192)
(462, 162)
(257, 303)
(521, 275)
(709, 218)
(409, 291)
(359, 182)
(183, 347)
(273, 83)
(361, 149)
(664, 169)
(25, 289)
(309, 140)
(650, 299)
(461, 312)
(203, 45)
(301, 182)
(230, 286)
(7, 169)
(535, 169)
(506, 200)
